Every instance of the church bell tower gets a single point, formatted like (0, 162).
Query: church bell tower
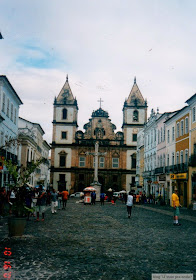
(65, 113)
(134, 118)
(134, 115)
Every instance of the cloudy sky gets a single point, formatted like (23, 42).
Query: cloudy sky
(102, 45)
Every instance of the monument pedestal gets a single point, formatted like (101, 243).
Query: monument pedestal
(97, 186)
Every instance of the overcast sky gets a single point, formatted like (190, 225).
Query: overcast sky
(102, 45)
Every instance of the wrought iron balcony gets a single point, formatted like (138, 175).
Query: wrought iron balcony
(159, 170)
(177, 168)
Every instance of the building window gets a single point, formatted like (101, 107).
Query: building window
(161, 134)
(12, 108)
(3, 105)
(173, 158)
(186, 125)
(115, 162)
(64, 113)
(63, 134)
(164, 133)
(62, 160)
(173, 133)
(194, 115)
(82, 161)
(135, 116)
(8, 107)
(177, 158)
(155, 135)
(178, 130)
(181, 157)
(186, 156)
(15, 115)
(158, 136)
(168, 136)
(168, 160)
(133, 161)
(101, 162)
(134, 137)
(163, 159)
(182, 127)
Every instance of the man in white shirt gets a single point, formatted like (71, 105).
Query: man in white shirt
(129, 203)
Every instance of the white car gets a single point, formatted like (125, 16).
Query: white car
(116, 194)
(77, 194)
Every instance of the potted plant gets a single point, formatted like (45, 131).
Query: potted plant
(20, 177)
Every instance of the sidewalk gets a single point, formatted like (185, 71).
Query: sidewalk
(185, 214)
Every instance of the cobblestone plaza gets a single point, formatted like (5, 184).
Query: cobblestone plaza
(100, 242)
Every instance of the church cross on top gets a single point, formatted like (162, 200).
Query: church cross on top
(100, 101)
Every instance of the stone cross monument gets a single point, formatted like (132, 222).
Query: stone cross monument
(96, 183)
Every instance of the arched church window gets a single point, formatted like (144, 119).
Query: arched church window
(135, 115)
(64, 114)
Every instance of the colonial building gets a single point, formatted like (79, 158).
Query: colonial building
(140, 161)
(9, 111)
(192, 149)
(33, 147)
(72, 162)
(150, 153)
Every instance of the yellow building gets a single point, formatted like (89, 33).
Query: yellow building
(192, 151)
(182, 155)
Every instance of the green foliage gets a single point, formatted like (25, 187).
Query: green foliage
(20, 174)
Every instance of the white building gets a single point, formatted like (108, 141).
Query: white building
(150, 150)
(33, 147)
(9, 111)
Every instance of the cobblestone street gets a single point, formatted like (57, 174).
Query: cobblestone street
(100, 242)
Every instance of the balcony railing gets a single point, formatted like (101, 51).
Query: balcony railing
(159, 170)
(177, 168)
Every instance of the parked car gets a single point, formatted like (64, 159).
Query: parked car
(116, 194)
(77, 194)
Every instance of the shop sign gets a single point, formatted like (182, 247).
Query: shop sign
(179, 176)
(162, 177)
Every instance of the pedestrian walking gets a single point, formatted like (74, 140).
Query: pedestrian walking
(125, 197)
(102, 197)
(59, 200)
(41, 203)
(35, 195)
(65, 195)
(176, 205)
(54, 201)
(93, 197)
(129, 204)
(137, 198)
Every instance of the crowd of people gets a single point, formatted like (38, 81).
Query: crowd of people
(36, 200)
(33, 199)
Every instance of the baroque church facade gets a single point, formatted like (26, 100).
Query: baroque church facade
(72, 162)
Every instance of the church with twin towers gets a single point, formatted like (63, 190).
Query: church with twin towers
(72, 160)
